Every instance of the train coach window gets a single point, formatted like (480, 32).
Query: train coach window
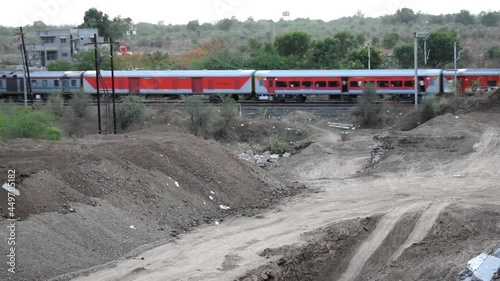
(333, 84)
(409, 83)
(1, 83)
(307, 84)
(320, 84)
(280, 84)
(56, 83)
(294, 84)
(44, 83)
(383, 84)
(492, 83)
(33, 83)
(73, 83)
(397, 83)
(355, 84)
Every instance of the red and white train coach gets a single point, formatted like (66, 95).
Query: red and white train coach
(173, 82)
(276, 84)
(471, 80)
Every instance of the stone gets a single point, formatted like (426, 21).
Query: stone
(287, 155)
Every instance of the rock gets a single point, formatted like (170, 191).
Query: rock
(250, 153)
(71, 210)
(287, 155)
(275, 156)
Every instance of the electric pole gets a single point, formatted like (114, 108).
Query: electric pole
(369, 57)
(27, 68)
(455, 66)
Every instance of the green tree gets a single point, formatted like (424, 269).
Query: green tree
(465, 18)
(361, 55)
(405, 15)
(221, 59)
(193, 25)
(61, 65)
(107, 28)
(294, 43)
(404, 55)
(490, 18)
(441, 43)
(225, 24)
(493, 52)
(347, 42)
(326, 53)
(390, 40)
(94, 18)
(85, 60)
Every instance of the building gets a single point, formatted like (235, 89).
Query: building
(60, 44)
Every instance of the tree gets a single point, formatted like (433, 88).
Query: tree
(293, 43)
(405, 15)
(490, 18)
(193, 25)
(405, 55)
(493, 52)
(116, 28)
(441, 43)
(326, 53)
(225, 24)
(61, 65)
(94, 18)
(361, 55)
(347, 42)
(390, 40)
(465, 18)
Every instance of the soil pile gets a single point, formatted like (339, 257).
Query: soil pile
(86, 202)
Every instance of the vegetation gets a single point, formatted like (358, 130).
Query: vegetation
(369, 113)
(28, 123)
(132, 111)
(301, 43)
(276, 146)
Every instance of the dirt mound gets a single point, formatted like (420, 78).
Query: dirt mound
(442, 250)
(86, 202)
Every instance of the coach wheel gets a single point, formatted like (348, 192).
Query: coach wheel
(235, 97)
(301, 98)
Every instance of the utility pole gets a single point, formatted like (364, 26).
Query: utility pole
(112, 82)
(455, 66)
(97, 57)
(24, 79)
(27, 69)
(425, 51)
(417, 35)
(369, 57)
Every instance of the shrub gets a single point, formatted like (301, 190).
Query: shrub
(201, 116)
(27, 123)
(55, 104)
(226, 117)
(276, 146)
(79, 105)
(132, 111)
(369, 113)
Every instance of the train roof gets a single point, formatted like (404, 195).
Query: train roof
(473, 71)
(347, 73)
(175, 73)
(45, 74)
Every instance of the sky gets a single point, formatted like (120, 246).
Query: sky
(67, 12)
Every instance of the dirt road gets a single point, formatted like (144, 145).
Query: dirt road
(427, 184)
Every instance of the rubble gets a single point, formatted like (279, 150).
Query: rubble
(380, 145)
(265, 160)
(484, 267)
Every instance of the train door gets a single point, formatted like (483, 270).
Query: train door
(345, 81)
(65, 85)
(197, 85)
(12, 85)
(421, 84)
(270, 85)
(134, 85)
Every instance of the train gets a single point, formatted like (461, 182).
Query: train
(263, 85)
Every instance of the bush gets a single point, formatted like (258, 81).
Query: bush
(201, 116)
(132, 111)
(277, 146)
(27, 123)
(226, 117)
(55, 104)
(369, 113)
(433, 106)
(79, 105)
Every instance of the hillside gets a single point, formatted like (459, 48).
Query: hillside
(478, 35)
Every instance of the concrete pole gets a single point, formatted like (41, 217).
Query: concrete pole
(415, 46)
(455, 67)
(369, 57)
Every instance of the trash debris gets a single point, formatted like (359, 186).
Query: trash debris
(216, 223)
(211, 198)
(483, 267)
(224, 207)
(133, 227)
(11, 189)
(211, 192)
(177, 184)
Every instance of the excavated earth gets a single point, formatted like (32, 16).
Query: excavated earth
(427, 205)
(87, 202)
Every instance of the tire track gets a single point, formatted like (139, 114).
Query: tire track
(369, 246)
(422, 228)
